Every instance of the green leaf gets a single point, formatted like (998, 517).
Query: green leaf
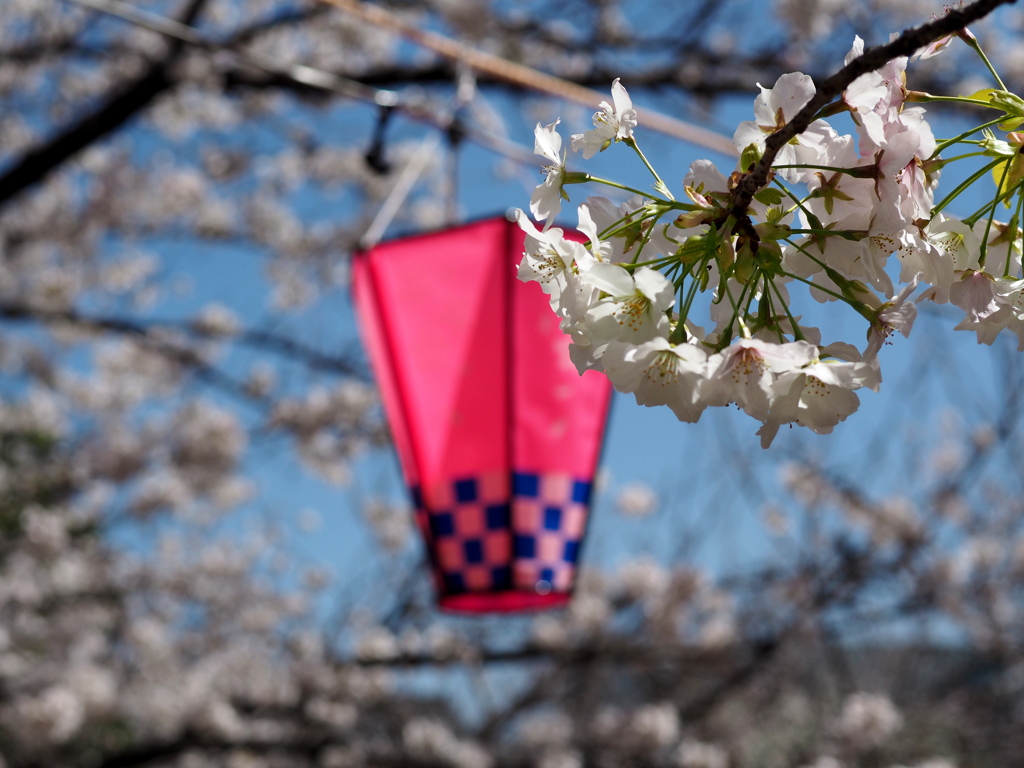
(749, 157)
(1010, 103)
(769, 197)
(744, 263)
(985, 94)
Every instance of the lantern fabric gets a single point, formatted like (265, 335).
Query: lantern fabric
(497, 434)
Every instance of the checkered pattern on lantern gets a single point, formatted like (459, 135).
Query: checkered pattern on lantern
(494, 532)
(549, 516)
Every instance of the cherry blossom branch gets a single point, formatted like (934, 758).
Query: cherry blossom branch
(873, 58)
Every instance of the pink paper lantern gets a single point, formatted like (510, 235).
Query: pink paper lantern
(497, 434)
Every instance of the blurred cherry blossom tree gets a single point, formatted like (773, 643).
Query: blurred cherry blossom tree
(176, 219)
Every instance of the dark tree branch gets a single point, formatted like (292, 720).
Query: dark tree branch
(36, 164)
(874, 58)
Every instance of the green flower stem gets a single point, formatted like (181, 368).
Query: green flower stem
(973, 218)
(735, 318)
(920, 96)
(983, 251)
(861, 308)
(798, 333)
(660, 185)
(664, 261)
(749, 295)
(624, 188)
(1009, 250)
(766, 301)
(809, 255)
(964, 185)
(678, 335)
(857, 172)
(947, 160)
(846, 234)
(942, 145)
(976, 46)
(684, 311)
(646, 238)
(619, 227)
(615, 228)
(789, 193)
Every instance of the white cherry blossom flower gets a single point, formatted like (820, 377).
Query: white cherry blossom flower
(635, 307)
(904, 188)
(875, 98)
(837, 198)
(660, 373)
(620, 225)
(1001, 253)
(817, 396)
(546, 200)
(601, 250)
(897, 314)
(1010, 296)
(744, 373)
(975, 293)
(548, 255)
(614, 122)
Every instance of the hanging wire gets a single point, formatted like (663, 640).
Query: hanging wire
(400, 191)
(527, 77)
(465, 91)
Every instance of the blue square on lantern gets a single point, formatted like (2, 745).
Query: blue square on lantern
(453, 582)
(502, 577)
(552, 518)
(497, 517)
(524, 484)
(525, 546)
(581, 492)
(465, 490)
(442, 524)
(474, 550)
(572, 551)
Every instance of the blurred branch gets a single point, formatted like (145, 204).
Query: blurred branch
(188, 358)
(1006, 421)
(622, 650)
(286, 347)
(36, 164)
